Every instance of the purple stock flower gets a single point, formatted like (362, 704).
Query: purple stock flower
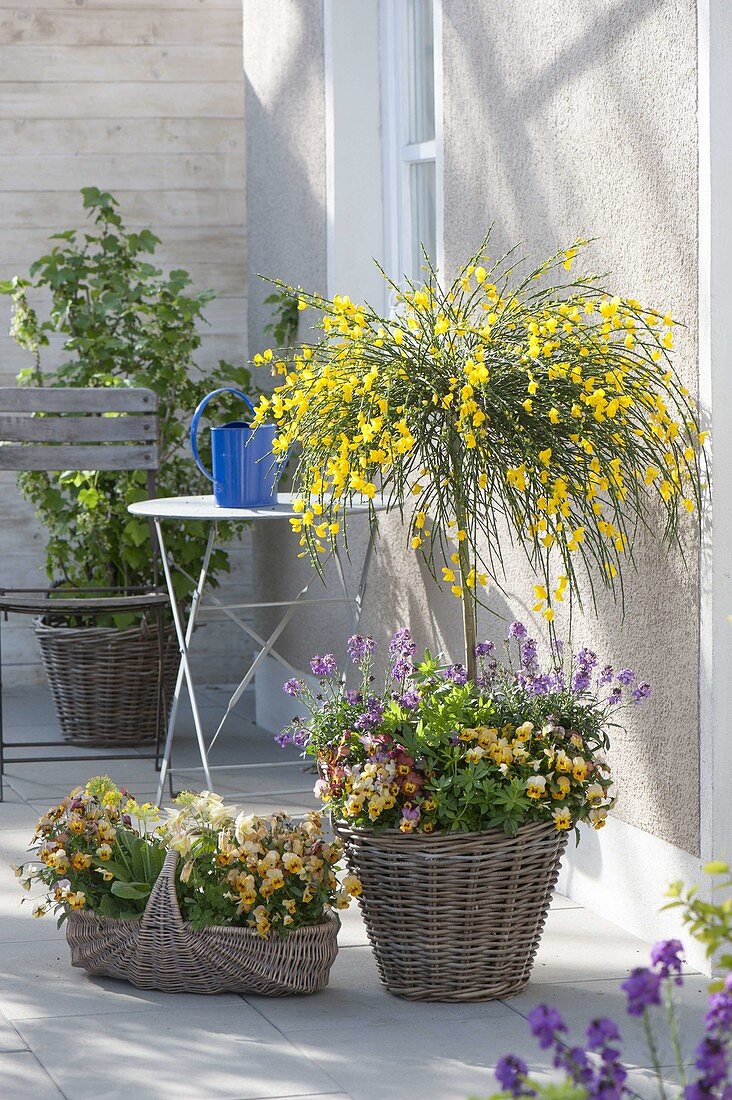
(719, 1014)
(643, 989)
(517, 630)
(711, 1060)
(353, 698)
(545, 1023)
(293, 687)
(410, 699)
(457, 673)
(615, 696)
(402, 644)
(528, 653)
(510, 1073)
(642, 692)
(626, 676)
(580, 681)
(360, 648)
(540, 685)
(323, 666)
(605, 676)
(601, 1032)
(372, 715)
(484, 649)
(667, 955)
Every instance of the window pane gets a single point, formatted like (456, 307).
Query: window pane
(421, 46)
(422, 208)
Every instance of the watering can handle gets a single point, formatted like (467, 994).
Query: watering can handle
(197, 417)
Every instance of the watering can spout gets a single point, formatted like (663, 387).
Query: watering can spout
(245, 471)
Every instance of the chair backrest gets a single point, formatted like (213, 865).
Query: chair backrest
(78, 435)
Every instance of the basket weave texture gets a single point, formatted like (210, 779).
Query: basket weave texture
(455, 916)
(162, 951)
(104, 681)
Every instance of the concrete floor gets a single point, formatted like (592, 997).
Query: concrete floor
(64, 1034)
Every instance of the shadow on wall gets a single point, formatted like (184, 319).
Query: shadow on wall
(285, 126)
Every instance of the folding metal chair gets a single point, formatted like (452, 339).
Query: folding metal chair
(77, 435)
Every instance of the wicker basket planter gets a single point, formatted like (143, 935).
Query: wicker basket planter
(457, 916)
(104, 681)
(162, 951)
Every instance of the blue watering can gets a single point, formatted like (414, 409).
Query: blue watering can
(245, 468)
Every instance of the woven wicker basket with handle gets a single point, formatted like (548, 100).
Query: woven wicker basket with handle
(455, 916)
(162, 951)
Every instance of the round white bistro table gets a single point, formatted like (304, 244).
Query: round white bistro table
(205, 509)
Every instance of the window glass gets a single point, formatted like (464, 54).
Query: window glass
(421, 62)
(422, 209)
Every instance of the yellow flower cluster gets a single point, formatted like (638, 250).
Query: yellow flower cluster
(553, 404)
(272, 872)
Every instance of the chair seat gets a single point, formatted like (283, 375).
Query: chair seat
(25, 603)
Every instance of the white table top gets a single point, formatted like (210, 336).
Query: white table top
(205, 508)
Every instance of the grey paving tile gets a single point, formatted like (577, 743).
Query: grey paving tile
(206, 1052)
(580, 945)
(15, 815)
(10, 1041)
(22, 1076)
(355, 1000)
(447, 1058)
(37, 980)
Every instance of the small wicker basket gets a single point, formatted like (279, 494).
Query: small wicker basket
(162, 951)
(104, 681)
(455, 916)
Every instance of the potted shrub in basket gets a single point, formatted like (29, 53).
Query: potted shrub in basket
(454, 799)
(123, 322)
(250, 909)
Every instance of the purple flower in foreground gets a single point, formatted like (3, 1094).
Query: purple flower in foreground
(711, 1060)
(626, 676)
(600, 1032)
(615, 696)
(642, 692)
(668, 955)
(545, 1023)
(580, 681)
(360, 648)
(484, 649)
(510, 1073)
(323, 666)
(587, 658)
(719, 1014)
(605, 676)
(643, 989)
(540, 685)
(353, 698)
(517, 630)
(293, 687)
(457, 674)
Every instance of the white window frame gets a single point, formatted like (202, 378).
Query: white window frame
(398, 152)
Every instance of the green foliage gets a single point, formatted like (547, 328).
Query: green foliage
(285, 316)
(710, 922)
(124, 322)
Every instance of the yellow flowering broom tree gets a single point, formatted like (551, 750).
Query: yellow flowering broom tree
(538, 409)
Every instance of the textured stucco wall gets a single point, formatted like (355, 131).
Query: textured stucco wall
(564, 117)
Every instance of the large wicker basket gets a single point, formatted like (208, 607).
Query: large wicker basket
(162, 951)
(456, 916)
(104, 681)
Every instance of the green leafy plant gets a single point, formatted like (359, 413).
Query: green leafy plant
(124, 322)
(435, 751)
(709, 922)
(285, 316)
(98, 849)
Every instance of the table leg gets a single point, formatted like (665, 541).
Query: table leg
(184, 670)
(263, 653)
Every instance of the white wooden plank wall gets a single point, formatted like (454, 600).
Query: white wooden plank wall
(144, 98)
